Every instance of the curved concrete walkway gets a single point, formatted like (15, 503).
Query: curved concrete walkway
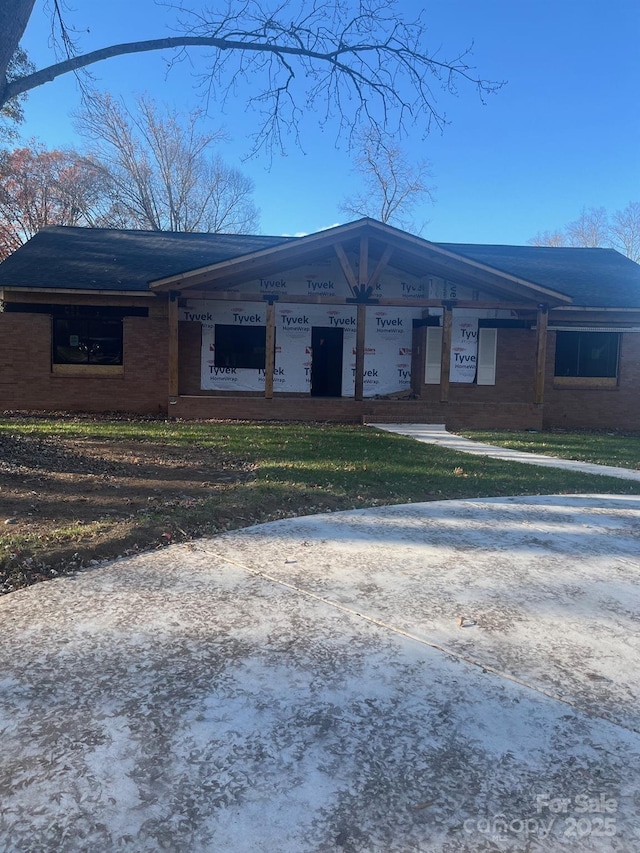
(449, 676)
(438, 434)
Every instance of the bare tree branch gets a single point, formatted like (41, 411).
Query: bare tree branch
(393, 186)
(594, 229)
(161, 171)
(590, 229)
(625, 230)
(353, 62)
(549, 238)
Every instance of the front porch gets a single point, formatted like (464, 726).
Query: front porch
(422, 335)
(458, 415)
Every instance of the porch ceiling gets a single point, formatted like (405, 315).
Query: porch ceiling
(410, 255)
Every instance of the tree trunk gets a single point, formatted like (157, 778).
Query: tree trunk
(14, 16)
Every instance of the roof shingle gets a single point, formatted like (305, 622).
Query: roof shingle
(113, 260)
(601, 278)
(108, 259)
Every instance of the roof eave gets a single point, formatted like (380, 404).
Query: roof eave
(77, 291)
(620, 308)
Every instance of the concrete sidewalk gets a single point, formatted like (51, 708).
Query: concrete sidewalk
(437, 434)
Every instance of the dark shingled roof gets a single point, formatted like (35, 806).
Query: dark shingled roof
(111, 260)
(599, 278)
(107, 259)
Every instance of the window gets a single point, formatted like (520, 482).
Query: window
(87, 340)
(587, 354)
(240, 346)
(83, 334)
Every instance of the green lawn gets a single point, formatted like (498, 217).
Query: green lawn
(360, 464)
(603, 448)
(271, 471)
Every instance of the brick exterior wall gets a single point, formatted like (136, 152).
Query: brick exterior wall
(515, 372)
(596, 408)
(27, 381)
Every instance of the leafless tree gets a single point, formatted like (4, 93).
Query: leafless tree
(549, 238)
(590, 229)
(393, 186)
(594, 229)
(625, 230)
(40, 187)
(344, 60)
(162, 173)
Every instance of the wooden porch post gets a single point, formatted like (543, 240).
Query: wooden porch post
(541, 352)
(270, 353)
(418, 355)
(360, 333)
(361, 319)
(173, 347)
(445, 361)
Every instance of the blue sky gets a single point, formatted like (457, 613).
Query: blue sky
(562, 134)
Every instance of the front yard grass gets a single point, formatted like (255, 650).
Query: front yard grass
(621, 450)
(76, 491)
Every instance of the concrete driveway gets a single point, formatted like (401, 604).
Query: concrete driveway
(450, 676)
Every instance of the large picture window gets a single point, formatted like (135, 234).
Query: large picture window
(240, 346)
(587, 354)
(87, 340)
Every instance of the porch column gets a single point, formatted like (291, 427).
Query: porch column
(541, 352)
(445, 360)
(173, 347)
(270, 353)
(418, 356)
(360, 333)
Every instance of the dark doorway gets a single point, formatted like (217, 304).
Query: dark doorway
(326, 361)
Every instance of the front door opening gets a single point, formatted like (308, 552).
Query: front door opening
(326, 361)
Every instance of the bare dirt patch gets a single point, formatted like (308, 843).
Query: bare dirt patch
(65, 503)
